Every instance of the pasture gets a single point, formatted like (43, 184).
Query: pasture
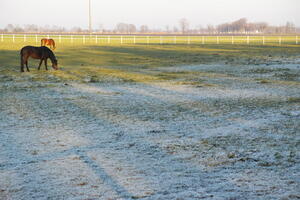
(151, 121)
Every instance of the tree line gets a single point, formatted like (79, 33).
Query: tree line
(240, 26)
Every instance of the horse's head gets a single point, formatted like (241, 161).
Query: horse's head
(54, 64)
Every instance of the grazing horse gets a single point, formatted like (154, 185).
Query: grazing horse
(49, 42)
(42, 53)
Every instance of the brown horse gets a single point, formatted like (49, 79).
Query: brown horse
(49, 42)
(42, 53)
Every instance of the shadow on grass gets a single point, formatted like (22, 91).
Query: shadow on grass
(79, 62)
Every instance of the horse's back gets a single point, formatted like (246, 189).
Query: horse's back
(35, 52)
(27, 49)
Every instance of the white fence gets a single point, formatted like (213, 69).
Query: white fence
(153, 39)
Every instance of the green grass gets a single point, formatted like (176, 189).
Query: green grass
(137, 62)
(294, 99)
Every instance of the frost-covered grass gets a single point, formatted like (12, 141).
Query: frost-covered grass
(152, 122)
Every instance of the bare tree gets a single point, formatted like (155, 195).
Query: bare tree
(76, 29)
(175, 29)
(167, 29)
(289, 27)
(210, 29)
(9, 28)
(239, 25)
(144, 29)
(122, 28)
(261, 27)
(131, 28)
(224, 28)
(184, 25)
(100, 28)
(31, 28)
(18, 29)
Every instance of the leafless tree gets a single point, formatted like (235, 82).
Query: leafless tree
(100, 28)
(144, 29)
(239, 25)
(175, 29)
(290, 27)
(122, 28)
(131, 28)
(76, 29)
(210, 29)
(9, 28)
(261, 27)
(184, 25)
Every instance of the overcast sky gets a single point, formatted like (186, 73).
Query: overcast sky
(154, 13)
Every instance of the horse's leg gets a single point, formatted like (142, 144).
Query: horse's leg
(22, 64)
(40, 64)
(27, 64)
(46, 63)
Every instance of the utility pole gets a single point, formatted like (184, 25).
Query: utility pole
(90, 18)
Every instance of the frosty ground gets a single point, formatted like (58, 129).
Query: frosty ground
(211, 131)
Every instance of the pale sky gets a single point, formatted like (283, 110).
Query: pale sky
(154, 13)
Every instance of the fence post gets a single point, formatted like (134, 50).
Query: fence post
(36, 40)
(248, 41)
(1, 37)
(108, 39)
(263, 40)
(48, 37)
(160, 40)
(189, 40)
(203, 42)
(121, 39)
(134, 39)
(218, 40)
(232, 41)
(96, 39)
(24, 38)
(13, 37)
(148, 39)
(296, 38)
(83, 39)
(175, 40)
(72, 39)
(59, 38)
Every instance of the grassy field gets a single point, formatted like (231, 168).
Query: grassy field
(78, 61)
(138, 121)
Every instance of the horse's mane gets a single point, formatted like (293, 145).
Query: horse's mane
(52, 57)
(51, 54)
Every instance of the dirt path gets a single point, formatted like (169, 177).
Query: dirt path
(238, 140)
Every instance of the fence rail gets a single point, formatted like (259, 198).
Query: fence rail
(134, 39)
